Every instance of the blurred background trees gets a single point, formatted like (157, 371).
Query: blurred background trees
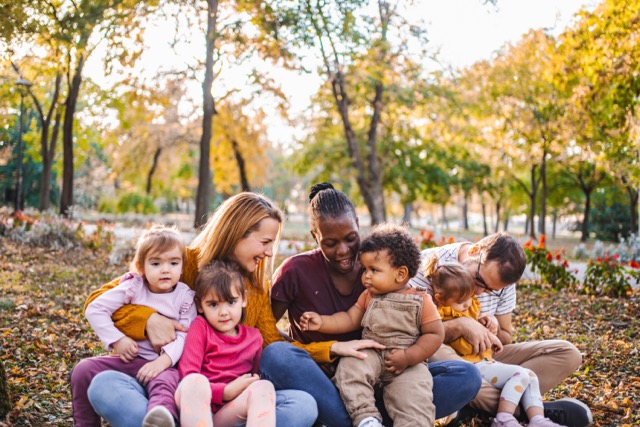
(547, 129)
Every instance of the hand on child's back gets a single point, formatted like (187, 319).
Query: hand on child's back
(126, 348)
(237, 386)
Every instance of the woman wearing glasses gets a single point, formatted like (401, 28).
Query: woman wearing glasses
(496, 262)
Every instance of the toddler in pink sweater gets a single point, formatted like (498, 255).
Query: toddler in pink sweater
(219, 367)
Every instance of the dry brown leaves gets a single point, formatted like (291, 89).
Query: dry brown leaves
(44, 334)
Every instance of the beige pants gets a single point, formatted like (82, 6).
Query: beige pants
(551, 360)
(408, 397)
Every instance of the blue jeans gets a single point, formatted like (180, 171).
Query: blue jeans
(455, 383)
(122, 401)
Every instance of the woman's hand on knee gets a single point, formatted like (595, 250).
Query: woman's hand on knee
(351, 348)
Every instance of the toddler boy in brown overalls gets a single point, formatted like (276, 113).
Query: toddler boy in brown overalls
(404, 319)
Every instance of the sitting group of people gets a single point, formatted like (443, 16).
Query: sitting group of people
(379, 332)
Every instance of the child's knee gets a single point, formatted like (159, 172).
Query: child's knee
(263, 387)
(195, 383)
(82, 372)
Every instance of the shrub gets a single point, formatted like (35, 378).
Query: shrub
(552, 267)
(608, 276)
(134, 202)
(427, 240)
(48, 230)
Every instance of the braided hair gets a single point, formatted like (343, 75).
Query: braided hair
(327, 202)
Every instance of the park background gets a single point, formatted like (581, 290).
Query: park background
(117, 113)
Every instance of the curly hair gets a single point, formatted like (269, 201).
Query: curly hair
(399, 244)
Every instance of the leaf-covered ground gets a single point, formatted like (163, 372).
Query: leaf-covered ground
(44, 335)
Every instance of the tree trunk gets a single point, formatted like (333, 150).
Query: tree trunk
(532, 198)
(633, 208)
(585, 219)
(152, 171)
(555, 223)
(369, 176)
(5, 398)
(47, 166)
(406, 218)
(66, 198)
(242, 170)
(205, 176)
(465, 212)
(445, 221)
(543, 196)
(484, 220)
(497, 227)
(47, 146)
(505, 226)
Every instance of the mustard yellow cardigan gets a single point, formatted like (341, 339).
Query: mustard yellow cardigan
(461, 345)
(132, 319)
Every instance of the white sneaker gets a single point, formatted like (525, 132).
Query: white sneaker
(158, 417)
(370, 422)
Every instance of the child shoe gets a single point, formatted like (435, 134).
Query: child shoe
(504, 419)
(540, 421)
(158, 416)
(370, 422)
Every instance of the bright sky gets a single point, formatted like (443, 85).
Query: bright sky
(469, 30)
(464, 31)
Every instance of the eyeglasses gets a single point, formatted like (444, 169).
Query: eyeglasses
(482, 284)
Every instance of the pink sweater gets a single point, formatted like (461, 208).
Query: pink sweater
(221, 358)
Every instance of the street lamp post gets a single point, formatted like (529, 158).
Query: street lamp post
(23, 85)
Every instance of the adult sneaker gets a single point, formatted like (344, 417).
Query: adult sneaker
(158, 416)
(568, 412)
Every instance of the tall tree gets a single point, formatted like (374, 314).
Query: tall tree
(602, 74)
(359, 60)
(49, 127)
(74, 29)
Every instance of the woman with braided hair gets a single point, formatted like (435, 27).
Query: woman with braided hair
(328, 280)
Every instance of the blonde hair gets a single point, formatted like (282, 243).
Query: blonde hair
(233, 220)
(450, 280)
(156, 240)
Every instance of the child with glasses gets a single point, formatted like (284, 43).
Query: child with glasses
(454, 293)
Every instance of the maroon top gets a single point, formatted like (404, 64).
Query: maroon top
(304, 283)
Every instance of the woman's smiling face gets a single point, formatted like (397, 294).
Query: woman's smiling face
(339, 241)
(257, 245)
